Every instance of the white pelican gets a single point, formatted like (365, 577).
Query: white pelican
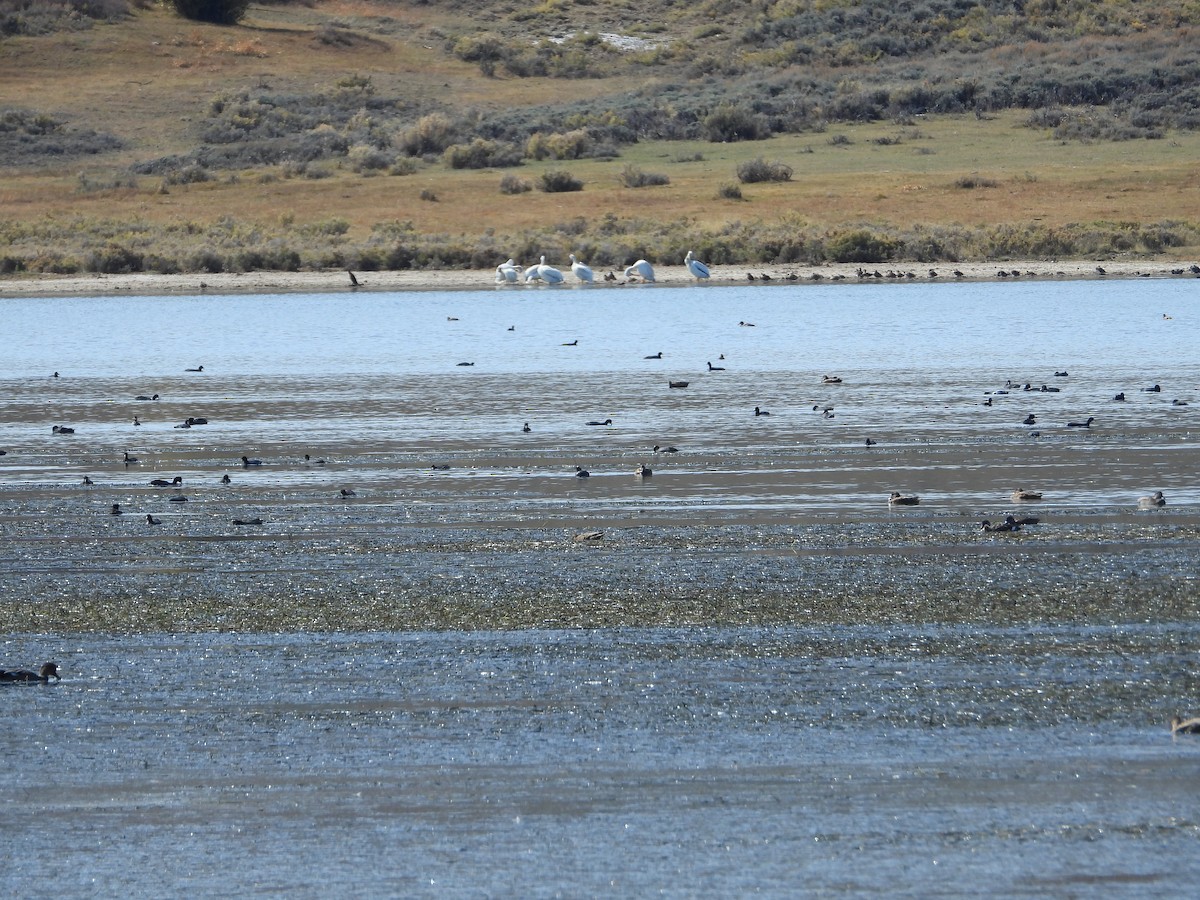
(549, 274)
(698, 269)
(507, 273)
(582, 272)
(642, 269)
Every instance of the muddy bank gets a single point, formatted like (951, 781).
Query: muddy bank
(458, 279)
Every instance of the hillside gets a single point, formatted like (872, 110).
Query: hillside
(338, 132)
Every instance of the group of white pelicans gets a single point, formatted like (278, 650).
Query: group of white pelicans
(510, 273)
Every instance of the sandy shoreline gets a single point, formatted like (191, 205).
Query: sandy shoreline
(464, 279)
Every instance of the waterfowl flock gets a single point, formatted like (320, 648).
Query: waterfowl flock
(1027, 391)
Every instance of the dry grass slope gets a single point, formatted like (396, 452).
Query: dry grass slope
(376, 134)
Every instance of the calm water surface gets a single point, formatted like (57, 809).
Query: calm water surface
(827, 760)
(373, 381)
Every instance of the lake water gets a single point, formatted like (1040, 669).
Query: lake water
(372, 381)
(811, 694)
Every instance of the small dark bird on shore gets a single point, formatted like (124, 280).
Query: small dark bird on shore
(353, 280)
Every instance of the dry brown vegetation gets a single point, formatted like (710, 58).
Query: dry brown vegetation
(294, 140)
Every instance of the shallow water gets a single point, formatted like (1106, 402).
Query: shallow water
(908, 761)
(371, 383)
(784, 686)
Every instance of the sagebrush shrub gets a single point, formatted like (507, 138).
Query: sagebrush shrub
(217, 12)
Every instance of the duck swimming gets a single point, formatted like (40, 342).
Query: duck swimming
(898, 499)
(251, 462)
(1021, 494)
(985, 525)
(761, 412)
(1027, 520)
(643, 471)
(677, 384)
(713, 368)
(24, 676)
(1087, 424)
(605, 422)
(162, 482)
(1152, 501)
(150, 520)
